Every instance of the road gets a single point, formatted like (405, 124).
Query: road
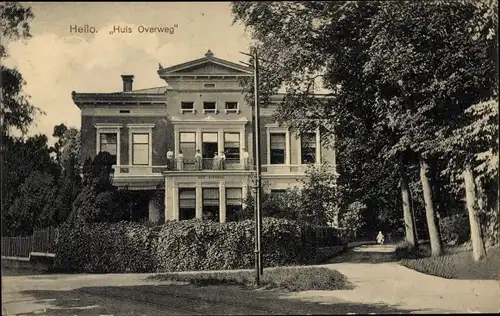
(383, 287)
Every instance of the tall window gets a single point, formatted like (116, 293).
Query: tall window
(211, 204)
(109, 144)
(234, 203)
(188, 144)
(209, 107)
(232, 146)
(140, 149)
(277, 147)
(210, 145)
(308, 148)
(187, 203)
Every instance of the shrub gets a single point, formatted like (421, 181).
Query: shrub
(182, 245)
(458, 266)
(105, 248)
(405, 250)
(292, 279)
(455, 229)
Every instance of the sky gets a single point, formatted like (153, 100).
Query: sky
(57, 60)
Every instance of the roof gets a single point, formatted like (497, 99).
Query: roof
(156, 90)
(208, 65)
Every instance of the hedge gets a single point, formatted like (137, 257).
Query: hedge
(184, 246)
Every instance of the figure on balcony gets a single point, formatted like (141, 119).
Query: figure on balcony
(245, 159)
(180, 160)
(216, 162)
(198, 159)
(222, 158)
(170, 159)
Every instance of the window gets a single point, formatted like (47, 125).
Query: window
(109, 144)
(187, 203)
(232, 146)
(140, 149)
(277, 147)
(210, 145)
(211, 204)
(308, 148)
(234, 203)
(209, 85)
(187, 144)
(231, 107)
(209, 107)
(187, 107)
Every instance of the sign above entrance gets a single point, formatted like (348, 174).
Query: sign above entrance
(210, 177)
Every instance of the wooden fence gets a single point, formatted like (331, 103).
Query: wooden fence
(42, 241)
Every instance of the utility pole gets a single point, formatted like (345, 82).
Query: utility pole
(258, 187)
(257, 159)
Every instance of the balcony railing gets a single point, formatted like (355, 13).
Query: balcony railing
(184, 165)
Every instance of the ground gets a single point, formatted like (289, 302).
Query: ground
(380, 286)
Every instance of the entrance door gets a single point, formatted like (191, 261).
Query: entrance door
(210, 147)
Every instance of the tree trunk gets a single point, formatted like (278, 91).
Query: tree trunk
(430, 213)
(410, 235)
(478, 250)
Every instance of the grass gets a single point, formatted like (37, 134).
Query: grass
(290, 279)
(459, 265)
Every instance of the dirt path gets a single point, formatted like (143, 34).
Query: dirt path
(384, 287)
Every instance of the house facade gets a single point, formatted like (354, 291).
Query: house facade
(189, 145)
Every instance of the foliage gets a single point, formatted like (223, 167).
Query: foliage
(104, 248)
(352, 218)
(455, 229)
(458, 266)
(27, 211)
(315, 203)
(182, 245)
(68, 143)
(20, 160)
(398, 75)
(405, 250)
(98, 199)
(291, 279)
(16, 111)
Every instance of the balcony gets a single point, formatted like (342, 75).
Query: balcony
(208, 164)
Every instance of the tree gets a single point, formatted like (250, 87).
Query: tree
(27, 211)
(98, 200)
(305, 45)
(16, 111)
(22, 158)
(398, 72)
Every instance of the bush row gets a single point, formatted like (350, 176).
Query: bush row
(183, 246)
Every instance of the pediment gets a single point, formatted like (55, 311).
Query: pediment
(207, 66)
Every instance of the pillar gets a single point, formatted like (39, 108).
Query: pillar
(318, 148)
(199, 201)
(175, 202)
(166, 204)
(154, 212)
(220, 140)
(287, 147)
(222, 202)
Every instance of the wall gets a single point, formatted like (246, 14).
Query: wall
(162, 136)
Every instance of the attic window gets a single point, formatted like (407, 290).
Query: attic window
(187, 107)
(209, 107)
(231, 107)
(124, 111)
(209, 85)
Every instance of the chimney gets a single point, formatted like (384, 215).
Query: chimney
(127, 82)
